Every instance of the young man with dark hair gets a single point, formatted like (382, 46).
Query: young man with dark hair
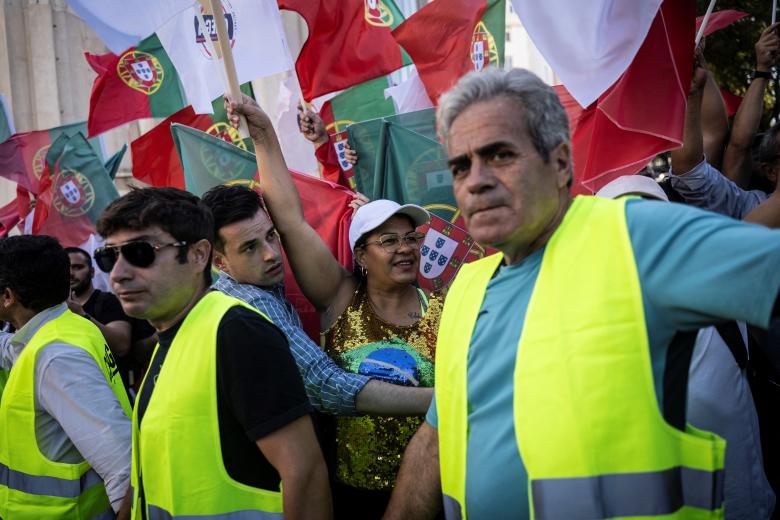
(65, 432)
(248, 254)
(102, 308)
(222, 419)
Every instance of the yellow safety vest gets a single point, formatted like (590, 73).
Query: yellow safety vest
(176, 454)
(32, 486)
(586, 418)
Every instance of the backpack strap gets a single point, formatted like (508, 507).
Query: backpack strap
(733, 338)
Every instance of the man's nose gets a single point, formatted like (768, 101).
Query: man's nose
(480, 177)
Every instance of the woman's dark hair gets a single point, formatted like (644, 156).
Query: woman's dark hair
(36, 268)
(229, 204)
(175, 211)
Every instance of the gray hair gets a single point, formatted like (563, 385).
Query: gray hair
(545, 119)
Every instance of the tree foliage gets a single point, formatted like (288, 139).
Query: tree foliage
(730, 52)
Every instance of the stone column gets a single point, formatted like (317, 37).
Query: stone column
(5, 64)
(42, 70)
(17, 56)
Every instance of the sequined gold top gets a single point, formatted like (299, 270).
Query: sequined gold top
(369, 448)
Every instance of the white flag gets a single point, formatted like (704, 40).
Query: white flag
(123, 23)
(587, 44)
(410, 94)
(256, 37)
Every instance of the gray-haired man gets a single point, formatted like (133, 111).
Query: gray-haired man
(553, 356)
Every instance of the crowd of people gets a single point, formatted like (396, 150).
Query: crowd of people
(618, 356)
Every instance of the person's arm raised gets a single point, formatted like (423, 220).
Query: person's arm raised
(736, 159)
(691, 153)
(318, 274)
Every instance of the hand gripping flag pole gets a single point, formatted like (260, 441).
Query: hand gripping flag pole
(225, 53)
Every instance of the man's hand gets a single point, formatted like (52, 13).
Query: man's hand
(311, 126)
(349, 154)
(260, 128)
(767, 48)
(74, 306)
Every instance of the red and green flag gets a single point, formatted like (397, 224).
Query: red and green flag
(23, 156)
(448, 38)
(209, 161)
(139, 83)
(349, 42)
(79, 190)
(154, 157)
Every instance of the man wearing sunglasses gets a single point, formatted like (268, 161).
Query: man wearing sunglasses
(64, 414)
(221, 419)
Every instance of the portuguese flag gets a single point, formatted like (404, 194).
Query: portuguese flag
(23, 156)
(449, 38)
(139, 83)
(9, 217)
(79, 190)
(208, 161)
(154, 157)
(349, 42)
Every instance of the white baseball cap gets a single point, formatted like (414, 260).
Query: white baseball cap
(372, 215)
(632, 185)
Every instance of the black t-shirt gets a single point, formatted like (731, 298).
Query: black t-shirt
(259, 390)
(105, 307)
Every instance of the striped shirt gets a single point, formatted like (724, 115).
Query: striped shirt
(329, 388)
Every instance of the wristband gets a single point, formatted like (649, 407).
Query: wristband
(761, 74)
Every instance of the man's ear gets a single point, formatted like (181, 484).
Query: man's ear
(560, 158)
(8, 298)
(770, 172)
(219, 260)
(200, 253)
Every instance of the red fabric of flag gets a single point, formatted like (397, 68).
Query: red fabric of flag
(154, 156)
(438, 38)
(720, 20)
(642, 114)
(23, 159)
(732, 101)
(9, 217)
(111, 102)
(343, 47)
(326, 209)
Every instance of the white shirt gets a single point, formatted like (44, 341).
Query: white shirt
(77, 415)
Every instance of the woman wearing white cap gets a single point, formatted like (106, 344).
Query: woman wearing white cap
(375, 320)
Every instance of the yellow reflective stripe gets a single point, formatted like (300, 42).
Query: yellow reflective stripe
(158, 513)
(46, 485)
(629, 494)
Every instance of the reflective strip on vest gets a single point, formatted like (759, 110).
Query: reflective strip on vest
(48, 486)
(158, 513)
(451, 508)
(630, 494)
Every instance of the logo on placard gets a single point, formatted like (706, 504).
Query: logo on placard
(74, 194)
(378, 14)
(211, 29)
(39, 161)
(483, 47)
(140, 71)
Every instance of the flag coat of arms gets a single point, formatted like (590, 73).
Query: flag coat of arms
(444, 250)
(139, 83)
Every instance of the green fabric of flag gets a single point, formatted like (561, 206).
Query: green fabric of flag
(402, 160)
(79, 190)
(359, 103)
(208, 161)
(112, 164)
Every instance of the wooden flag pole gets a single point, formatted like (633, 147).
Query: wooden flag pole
(705, 21)
(228, 64)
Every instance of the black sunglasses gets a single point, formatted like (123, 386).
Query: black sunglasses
(138, 253)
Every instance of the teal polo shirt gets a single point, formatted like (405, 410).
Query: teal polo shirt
(695, 268)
